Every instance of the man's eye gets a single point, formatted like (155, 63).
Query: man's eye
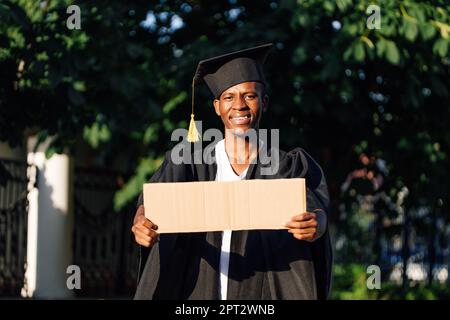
(251, 96)
(228, 98)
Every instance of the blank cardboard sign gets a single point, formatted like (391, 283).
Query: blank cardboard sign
(216, 206)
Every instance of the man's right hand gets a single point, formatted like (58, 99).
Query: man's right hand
(144, 229)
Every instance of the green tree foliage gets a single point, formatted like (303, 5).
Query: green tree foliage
(351, 280)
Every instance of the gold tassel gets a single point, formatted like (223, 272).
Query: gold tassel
(193, 135)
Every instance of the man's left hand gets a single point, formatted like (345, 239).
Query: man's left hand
(303, 226)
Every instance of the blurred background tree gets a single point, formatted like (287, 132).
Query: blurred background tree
(371, 105)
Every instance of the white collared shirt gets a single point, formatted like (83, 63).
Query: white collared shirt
(225, 173)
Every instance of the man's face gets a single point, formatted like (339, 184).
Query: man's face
(241, 106)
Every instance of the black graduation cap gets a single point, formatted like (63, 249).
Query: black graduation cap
(227, 70)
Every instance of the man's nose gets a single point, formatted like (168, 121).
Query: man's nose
(240, 103)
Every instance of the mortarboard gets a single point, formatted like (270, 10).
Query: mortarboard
(227, 70)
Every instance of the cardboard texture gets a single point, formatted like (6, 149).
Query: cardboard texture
(218, 206)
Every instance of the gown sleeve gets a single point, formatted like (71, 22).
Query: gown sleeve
(317, 198)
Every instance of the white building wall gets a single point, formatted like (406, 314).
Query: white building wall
(50, 227)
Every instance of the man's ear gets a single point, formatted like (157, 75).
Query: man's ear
(216, 106)
(265, 103)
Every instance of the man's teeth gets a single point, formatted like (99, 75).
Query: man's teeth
(241, 118)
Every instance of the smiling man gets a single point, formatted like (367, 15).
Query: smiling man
(292, 263)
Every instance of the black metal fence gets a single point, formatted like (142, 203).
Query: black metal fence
(103, 246)
(13, 226)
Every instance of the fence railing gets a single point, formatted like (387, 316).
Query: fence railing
(103, 247)
(13, 226)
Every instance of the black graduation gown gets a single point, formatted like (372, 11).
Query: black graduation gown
(264, 264)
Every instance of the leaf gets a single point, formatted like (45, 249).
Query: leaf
(419, 14)
(348, 53)
(96, 134)
(367, 41)
(388, 29)
(381, 48)
(411, 30)
(303, 20)
(328, 6)
(104, 134)
(49, 152)
(358, 51)
(352, 29)
(441, 47)
(79, 86)
(392, 53)
(427, 31)
(443, 28)
(151, 133)
(91, 135)
(342, 4)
